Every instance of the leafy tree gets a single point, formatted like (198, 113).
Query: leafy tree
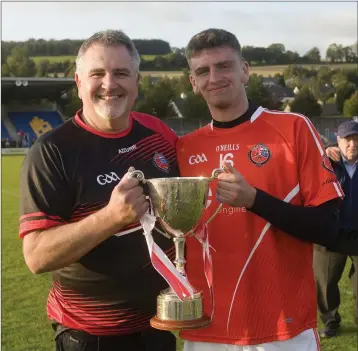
(344, 92)
(314, 55)
(74, 104)
(195, 107)
(339, 78)
(350, 108)
(348, 54)
(306, 104)
(43, 68)
(324, 75)
(335, 53)
(259, 94)
(19, 64)
(157, 98)
(182, 84)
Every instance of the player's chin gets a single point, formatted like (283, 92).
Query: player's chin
(221, 103)
(110, 114)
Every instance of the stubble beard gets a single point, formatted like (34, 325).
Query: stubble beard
(111, 110)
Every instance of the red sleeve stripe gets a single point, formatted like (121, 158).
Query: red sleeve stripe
(40, 215)
(34, 214)
(30, 226)
(156, 125)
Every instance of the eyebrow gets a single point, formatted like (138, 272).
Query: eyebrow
(217, 64)
(116, 70)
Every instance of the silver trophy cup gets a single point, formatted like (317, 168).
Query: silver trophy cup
(178, 205)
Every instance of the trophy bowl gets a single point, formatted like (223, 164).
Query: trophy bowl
(178, 204)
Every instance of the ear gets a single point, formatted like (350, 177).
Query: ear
(193, 84)
(139, 77)
(78, 83)
(244, 75)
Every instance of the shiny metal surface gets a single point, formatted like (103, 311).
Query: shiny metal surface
(170, 308)
(178, 203)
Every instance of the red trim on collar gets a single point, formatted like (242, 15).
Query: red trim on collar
(83, 125)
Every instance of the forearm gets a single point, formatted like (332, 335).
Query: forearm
(346, 243)
(57, 247)
(315, 224)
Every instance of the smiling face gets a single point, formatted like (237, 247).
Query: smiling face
(219, 75)
(107, 82)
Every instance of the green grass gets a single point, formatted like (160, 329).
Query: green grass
(72, 58)
(24, 322)
(53, 59)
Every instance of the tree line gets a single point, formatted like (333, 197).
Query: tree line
(165, 58)
(69, 47)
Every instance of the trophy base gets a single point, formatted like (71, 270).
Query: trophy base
(174, 314)
(157, 323)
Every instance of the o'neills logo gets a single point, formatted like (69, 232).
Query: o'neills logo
(127, 149)
(227, 147)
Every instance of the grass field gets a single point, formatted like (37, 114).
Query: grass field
(53, 59)
(24, 323)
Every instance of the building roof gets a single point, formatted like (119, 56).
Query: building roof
(26, 88)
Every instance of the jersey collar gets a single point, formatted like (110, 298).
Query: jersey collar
(237, 121)
(78, 120)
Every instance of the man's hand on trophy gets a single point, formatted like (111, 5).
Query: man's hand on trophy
(334, 153)
(128, 203)
(233, 189)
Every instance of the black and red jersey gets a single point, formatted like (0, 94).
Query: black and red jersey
(68, 174)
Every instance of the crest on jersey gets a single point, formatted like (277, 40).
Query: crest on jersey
(326, 163)
(161, 162)
(259, 154)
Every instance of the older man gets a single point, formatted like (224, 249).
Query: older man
(80, 210)
(329, 264)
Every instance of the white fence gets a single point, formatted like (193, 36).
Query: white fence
(15, 151)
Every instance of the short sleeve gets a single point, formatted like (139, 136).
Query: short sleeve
(45, 196)
(318, 183)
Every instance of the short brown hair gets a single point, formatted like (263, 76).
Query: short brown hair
(109, 38)
(211, 38)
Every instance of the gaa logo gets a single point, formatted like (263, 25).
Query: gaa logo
(104, 179)
(195, 159)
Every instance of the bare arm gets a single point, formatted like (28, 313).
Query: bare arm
(60, 246)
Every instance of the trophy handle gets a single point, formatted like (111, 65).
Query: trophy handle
(215, 173)
(133, 173)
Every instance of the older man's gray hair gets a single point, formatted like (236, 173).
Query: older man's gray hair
(109, 38)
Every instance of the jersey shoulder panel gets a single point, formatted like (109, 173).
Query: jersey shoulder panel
(156, 125)
(283, 120)
(61, 134)
(192, 136)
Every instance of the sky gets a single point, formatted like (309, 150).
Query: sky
(298, 25)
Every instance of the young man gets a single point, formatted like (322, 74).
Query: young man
(279, 194)
(80, 210)
(329, 264)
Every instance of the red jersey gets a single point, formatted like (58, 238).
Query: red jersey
(263, 283)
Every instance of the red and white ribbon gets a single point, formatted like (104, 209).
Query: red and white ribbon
(201, 234)
(161, 262)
